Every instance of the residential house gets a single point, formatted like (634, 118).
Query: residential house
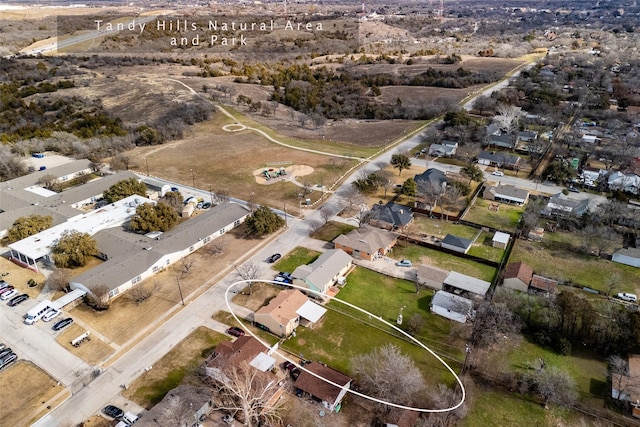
(401, 418)
(390, 216)
(506, 194)
(627, 256)
(560, 205)
(543, 284)
(500, 240)
(455, 243)
(188, 404)
(499, 160)
(527, 136)
(517, 276)
(502, 141)
(320, 390)
(324, 272)
(244, 350)
(283, 314)
(627, 387)
(629, 183)
(431, 277)
(434, 178)
(458, 282)
(366, 242)
(451, 306)
(444, 149)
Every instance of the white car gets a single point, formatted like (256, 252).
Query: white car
(497, 173)
(12, 293)
(51, 314)
(624, 296)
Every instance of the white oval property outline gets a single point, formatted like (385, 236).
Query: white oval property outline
(227, 302)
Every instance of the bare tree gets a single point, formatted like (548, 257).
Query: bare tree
(623, 383)
(47, 181)
(248, 271)
(362, 216)
(326, 213)
(415, 324)
(120, 162)
(98, 297)
(613, 281)
(388, 374)
(431, 193)
(449, 198)
(443, 397)
(222, 195)
(143, 291)
(186, 264)
(553, 385)
(508, 117)
(58, 280)
(216, 247)
(352, 196)
(248, 391)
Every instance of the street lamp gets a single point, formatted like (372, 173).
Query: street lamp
(146, 160)
(285, 216)
(180, 289)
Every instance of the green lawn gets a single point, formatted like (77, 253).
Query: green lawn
(440, 228)
(297, 257)
(555, 259)
(483, 248)
(506, 218)
(442, 260)
(331, 230)
(502, 409)
(344, 332)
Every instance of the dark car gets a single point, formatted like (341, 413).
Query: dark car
(175, 189)
(7, 359)
(62, 323)
(17, 300)
(113, 411)
(273, 258)
(288, 366)
(4, 284)
(294, 374)
(235, 331)
(284, 278)
(573, 189)
(5, 351)
(206, 205)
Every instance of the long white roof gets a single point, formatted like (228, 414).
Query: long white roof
(112, 215)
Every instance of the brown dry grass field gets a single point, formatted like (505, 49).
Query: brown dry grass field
(176, 367)
(126, 319)
(25, 389)
(260, 295)
(18, 277)
(226, 161)
(93, 351)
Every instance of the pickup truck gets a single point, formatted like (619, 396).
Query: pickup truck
(624, 296)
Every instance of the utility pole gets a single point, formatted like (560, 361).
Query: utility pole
(193, 178)
(285, 216)
(180, 289)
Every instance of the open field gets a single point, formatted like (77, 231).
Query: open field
(440, 228)
(24, 389)
(18, 277)
(419, 254)
(259, 295)
(559, 262)
(344, 333)
(93, 351)
(483, 248)
(126, 319)
(506, 218)
(176, 367)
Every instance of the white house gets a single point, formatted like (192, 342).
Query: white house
(324, 272)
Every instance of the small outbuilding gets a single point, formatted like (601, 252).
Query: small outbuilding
(458, 282)
(517, 276)
(455, 243)
(500, 240)
(319, 389)
(451, 306)
(627, 256)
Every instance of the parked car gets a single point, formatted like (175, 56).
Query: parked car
(200, 205)
(130, 418)
(17, 300)
(175, 189)
(235, 331)
(7, 359)
(51, 314)
(9, 294)
(273, 258)
(497, 173)
(113, 411)
(5, 351)
(573, 190)
(283, 277)
(4, 284)
(624, 296)
(404, 263)
(206, 205)
(288, 366)
(6, 289)
(2, 345)
(294, 374)
(62, 323)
